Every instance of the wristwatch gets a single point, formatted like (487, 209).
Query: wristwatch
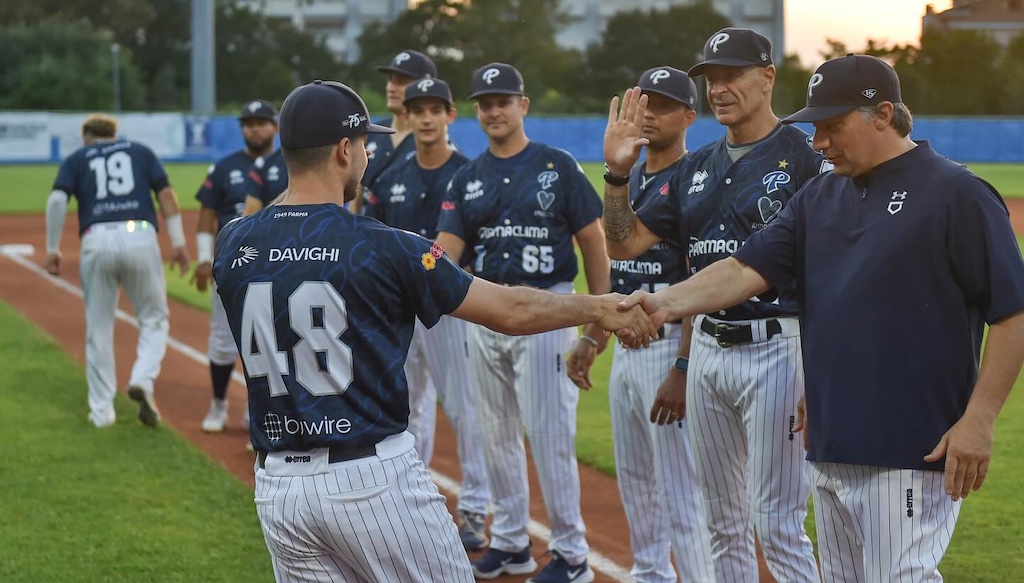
(614, 179)
(682, 363)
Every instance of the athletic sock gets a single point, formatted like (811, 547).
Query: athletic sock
(220, 374)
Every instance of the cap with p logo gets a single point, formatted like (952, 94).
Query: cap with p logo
(496, 79)
(427, 87)
(842, 84)
(671, 83)
(258, 109)
(735, 47)
(322, 113)
(411, 63)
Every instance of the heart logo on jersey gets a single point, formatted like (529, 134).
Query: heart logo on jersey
(545, 199)
(769, 208)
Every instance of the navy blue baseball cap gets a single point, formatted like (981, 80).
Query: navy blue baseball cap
(428, 87)
(258, 109)
(322, 113)
(735, 47)
(846, 83)
(412, 63)
(496, 79)
(671, 83)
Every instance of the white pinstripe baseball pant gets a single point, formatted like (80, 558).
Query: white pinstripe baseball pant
(741, 403)
(521, 381)
(881, 525)
(655, 470)
(438, 364)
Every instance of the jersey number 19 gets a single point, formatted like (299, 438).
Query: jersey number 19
(113, 175)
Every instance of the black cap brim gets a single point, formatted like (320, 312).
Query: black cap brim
(698, 69)
(379, 129)
(818, 113)
(390, 69)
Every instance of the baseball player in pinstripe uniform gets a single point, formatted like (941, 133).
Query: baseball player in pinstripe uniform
(112, 179)
(408, 196)
(653, 464)
(743, 365)
(222, 196)
(896, 216)
(321, 304)
(518, 207)
(385, 149)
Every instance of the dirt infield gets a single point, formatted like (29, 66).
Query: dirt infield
(183, 387)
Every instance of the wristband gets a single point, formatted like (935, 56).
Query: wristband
(175, 231)
(590, 340)
(204, 247)
(681, 363)
(614, 179)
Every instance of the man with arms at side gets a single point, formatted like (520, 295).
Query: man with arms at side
(386, 149)
(408, 197)
(653, 464)
(895, 235)
(517, 207)
(113, 179)
(744, 373)
(267, 178)
(223, 196)
(322, 304)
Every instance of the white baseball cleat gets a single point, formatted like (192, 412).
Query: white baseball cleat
(217, 417)
(100, 420)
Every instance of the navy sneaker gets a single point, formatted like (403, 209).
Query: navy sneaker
(497, 562)
(560, 571)
(471, 530)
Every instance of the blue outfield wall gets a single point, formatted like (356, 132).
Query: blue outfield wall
(963, 140)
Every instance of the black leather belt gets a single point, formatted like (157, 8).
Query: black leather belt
(335, 455)
(731, 334)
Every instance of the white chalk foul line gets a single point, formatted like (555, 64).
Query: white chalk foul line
(17, 254)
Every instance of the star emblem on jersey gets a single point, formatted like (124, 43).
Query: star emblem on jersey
(545, 199)
(768, 208)
(248, 254)
(272, 426)
(783, 164)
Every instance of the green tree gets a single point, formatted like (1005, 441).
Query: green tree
(1012, 66)
(637, 40)
(63, 66)
(790, 92)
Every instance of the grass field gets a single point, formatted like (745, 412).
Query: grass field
(134, 505)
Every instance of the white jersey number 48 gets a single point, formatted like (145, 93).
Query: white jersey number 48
(316, 312)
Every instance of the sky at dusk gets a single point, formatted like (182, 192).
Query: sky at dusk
(810, 22)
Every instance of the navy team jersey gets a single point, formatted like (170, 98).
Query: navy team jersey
(409, 197)
(665, 262)
(518, 215)
(112, 181)
(226, 186)
(268, 177)
(382, 153)
(714, 204)
(896, 274)
(322, 305)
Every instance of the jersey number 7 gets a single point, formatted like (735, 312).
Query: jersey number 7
(316, 312)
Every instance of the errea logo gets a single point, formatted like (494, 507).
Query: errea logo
(896, 203)
(247, 255)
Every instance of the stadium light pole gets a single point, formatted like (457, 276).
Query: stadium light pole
(203, 57)
(115, 66)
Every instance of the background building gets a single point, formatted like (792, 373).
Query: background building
(340, 22)
(1000, 19)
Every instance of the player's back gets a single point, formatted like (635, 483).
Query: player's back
(113, 181)
(322, 304)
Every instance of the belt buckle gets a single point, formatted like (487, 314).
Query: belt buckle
(720, 329)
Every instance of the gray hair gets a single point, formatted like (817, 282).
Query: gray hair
(902, 120)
